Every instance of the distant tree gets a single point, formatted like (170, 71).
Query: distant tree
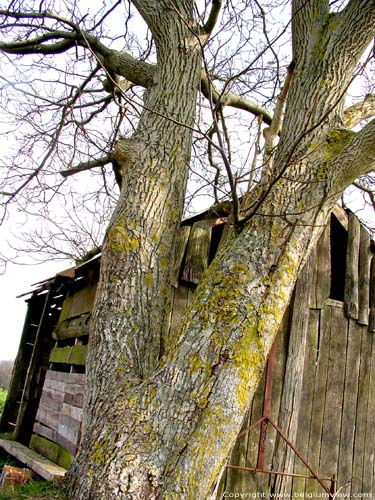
(162, 414)
(5, 373)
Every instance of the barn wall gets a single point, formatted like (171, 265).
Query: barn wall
(323, 387)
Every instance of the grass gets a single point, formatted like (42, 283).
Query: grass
(3, 395)
(37, 490)
(32, 490)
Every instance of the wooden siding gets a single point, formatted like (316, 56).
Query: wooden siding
(327, 407)
(59, 415)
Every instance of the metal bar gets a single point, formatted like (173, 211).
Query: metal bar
(280, 432)
(248, 429)
(266, 407)
(332, 489)
(278, 473)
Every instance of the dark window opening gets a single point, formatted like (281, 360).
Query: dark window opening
(216, 234)
(339, 243)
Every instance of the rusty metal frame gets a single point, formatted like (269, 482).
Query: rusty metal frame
(264, 422)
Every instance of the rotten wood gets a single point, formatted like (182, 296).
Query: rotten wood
(79, 303)
(352, 263)
(321, 373)
(350, 401)
(51, 450)
(197, 252)
(306, 402)
(292, 389)
(321, 276)
(74, 355)
(182, 240)
(361, 412)
(72, 327)
(334, 391)
(371, 325)
(364, 278)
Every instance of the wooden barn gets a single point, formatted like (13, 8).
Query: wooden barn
(310, 430)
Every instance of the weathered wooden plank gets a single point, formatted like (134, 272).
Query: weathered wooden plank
(51, 401)
(74, 399)
(371, 325)
(346, 442)
(75, 355)
(44, 431)
(79, 303)
(77, 326)
(361, 410)
(72, 411)
(181, 242)
(329, 453)
(70, 423)
(352, 262)
(364, 278)
(197, 252)
(312, 488)
(369, 460)
(48, 417)
(321, 277)
(35, 373)
(68, 378)
(245, 451)
(67, 444)
(341, 216)
(306, 402)
(54, 385)
(41, 465)
(182, 297)
(292, 390)
(264, 481)
(52, 451)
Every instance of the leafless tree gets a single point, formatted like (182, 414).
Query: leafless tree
(273, 133)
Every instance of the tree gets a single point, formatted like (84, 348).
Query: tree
(160, 417)
(5, 373)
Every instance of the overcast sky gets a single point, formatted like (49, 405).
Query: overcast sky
(16, 281)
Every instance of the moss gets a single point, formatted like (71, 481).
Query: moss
(119, 240)
(336, 140)
(148, 280)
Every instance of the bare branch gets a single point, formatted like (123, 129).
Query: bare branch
(87, 165)
(233, 100)
(271, 132)
(213, 17)
(360, 111)
(355, 159)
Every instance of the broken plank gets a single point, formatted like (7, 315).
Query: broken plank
(72, 327)
(39, 464)
(78, 303)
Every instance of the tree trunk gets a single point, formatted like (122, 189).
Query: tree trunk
(161, 427)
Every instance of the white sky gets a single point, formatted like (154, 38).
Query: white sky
(16, 281)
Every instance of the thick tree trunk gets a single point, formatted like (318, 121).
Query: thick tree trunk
(162, 427)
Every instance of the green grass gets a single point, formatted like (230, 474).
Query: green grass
(32, 490)
(37, 490)
(3, 396)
